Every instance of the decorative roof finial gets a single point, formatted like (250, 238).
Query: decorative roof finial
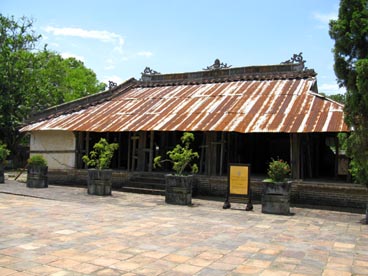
(112, 84)
(217, 65)
(149, 71)
(296, 58)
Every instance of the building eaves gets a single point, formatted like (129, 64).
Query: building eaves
(82, 103)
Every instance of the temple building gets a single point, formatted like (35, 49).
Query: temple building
(238, 115)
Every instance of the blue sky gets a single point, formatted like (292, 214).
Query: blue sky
(118, 39)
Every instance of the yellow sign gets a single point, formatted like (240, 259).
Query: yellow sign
(239, 177)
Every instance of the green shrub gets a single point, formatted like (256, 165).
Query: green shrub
(278, 170)
(101, 155)
(4, 153)
(37, 160)
(181, 156)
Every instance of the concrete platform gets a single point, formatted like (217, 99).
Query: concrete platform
(63, 231)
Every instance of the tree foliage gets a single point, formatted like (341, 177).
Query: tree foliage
(350, 32)
(32, 80)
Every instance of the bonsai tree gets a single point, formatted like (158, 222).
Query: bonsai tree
(277, 189)
(100, 179)
(37, 160)
(181, 156)
(278, 171)
(100, 157)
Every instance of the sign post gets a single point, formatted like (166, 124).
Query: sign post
(239, 185)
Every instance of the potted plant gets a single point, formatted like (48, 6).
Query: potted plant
(100, 176)
(4, 153)
(178, 186)
(276, 189)
(37, 172)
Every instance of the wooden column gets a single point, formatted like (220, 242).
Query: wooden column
(295, 155)
(222, 152)
(141, 151)
(150, 162)
(129, 151)
(134, 156)
(87, 146)
(337, 147)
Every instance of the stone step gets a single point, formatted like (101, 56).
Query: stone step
(142, 179)
(146, 183)
(142, 190)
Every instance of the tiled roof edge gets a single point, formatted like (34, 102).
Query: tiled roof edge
(81, 103)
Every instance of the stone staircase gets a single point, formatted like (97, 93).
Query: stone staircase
(145, 183)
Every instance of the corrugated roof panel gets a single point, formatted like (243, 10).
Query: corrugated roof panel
(242, 106)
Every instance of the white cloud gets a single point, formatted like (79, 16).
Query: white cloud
(103, 36)
(325, 18)
(68, 55)
(330, 88)
(145, 53)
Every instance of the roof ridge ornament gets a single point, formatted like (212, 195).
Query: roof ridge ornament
(112, 84)
(217, 65)
(149, 71)
(296, 58)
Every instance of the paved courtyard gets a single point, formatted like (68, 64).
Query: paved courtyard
(64, 231)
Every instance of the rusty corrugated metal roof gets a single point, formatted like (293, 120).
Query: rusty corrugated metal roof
(245, 106)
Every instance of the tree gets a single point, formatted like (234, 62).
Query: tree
(63, 80)
(16, 62)
(32, 80)
(350, 32)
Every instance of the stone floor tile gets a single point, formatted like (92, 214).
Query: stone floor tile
(222, 266)
(210, 272)
(248, 270)
(126, 265)
(309, 270)
(43, 270)
(86, 268)
(330, 272)
(21, 266)
(6, 271)
(210, 255)
(107, 272)
(199, 262)
(176, 258)
(274, 273)
(154, 254)
(101, 261)
(64, 263)
(361, 270)
(258, 263)
(80, 234)
(187, 268)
